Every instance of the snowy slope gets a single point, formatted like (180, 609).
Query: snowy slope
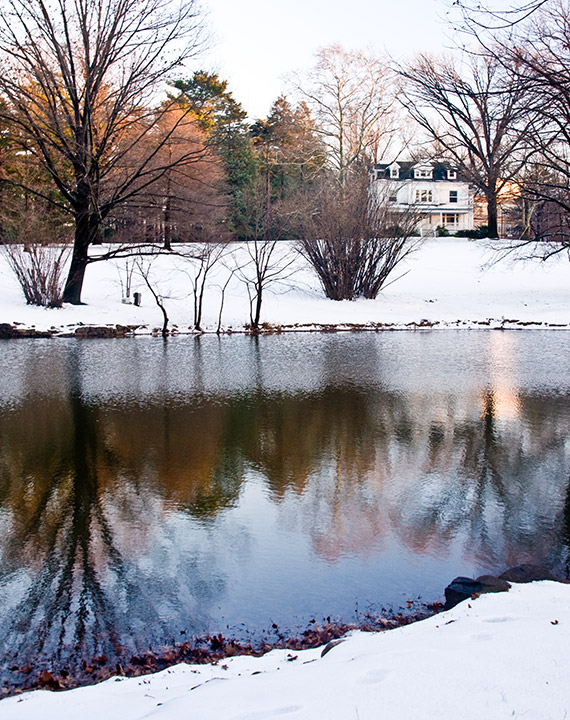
(501, 656)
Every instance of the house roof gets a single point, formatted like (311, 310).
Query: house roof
(407, 167)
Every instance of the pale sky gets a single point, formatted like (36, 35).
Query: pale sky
(256, 42)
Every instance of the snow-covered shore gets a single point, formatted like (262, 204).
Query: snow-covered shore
(448, 282)
(502, 655)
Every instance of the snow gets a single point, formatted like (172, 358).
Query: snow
(499, 656)
(449, 282)
(502, 655)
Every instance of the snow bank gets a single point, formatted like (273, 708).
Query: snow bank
(448, 282)
(500, 656)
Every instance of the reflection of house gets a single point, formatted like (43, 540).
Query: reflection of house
(435, 190)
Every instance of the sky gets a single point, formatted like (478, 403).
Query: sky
(255, 43)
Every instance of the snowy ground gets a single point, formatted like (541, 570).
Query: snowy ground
(447, 282)
(501, 656)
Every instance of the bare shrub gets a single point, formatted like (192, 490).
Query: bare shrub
(354, 239)
(39, 270)
(143, 266)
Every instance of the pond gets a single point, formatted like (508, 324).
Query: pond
(154, 491)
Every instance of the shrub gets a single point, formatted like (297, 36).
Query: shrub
(475, 234)
(353, 240)
(39, 270)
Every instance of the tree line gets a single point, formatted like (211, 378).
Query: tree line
(107, 141)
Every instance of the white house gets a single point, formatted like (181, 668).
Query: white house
(435, 190)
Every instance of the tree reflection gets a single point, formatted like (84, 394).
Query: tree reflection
(61, 533)
(566, 531)
(428, 469)
(80, 491)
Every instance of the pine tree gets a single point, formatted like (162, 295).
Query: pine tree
(223, 120)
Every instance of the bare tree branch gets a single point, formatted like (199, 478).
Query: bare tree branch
(78, 79)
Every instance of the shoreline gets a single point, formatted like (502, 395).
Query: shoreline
(448, 283)
(484, 650)
(207, 650)
(211, 649)
(81, 331)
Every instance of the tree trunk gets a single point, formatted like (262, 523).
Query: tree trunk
(257, 315)
(492, 216)
(167, 226)
(86, 228)
(74, 282)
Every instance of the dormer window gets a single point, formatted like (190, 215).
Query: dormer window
(423, 173)
(394, 172)
(452, 174)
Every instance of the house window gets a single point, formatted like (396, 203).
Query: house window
(424, 196)
(394, 172)
(423, 173)
(450, 219)
(393, 198)
(451, 174)
(453, 196)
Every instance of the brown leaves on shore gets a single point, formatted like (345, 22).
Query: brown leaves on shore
(209, 649)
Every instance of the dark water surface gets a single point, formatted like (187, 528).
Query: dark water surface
(152, 491)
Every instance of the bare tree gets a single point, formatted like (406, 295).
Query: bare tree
(354, 239)
(269, 259)
(479, 116)
(77, 81)
(480, 16)
(541, 55)
(351, 98)
(536, 52)
(204, 258)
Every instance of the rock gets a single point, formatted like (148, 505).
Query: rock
(490, 583)
(459, 589)
(526, 573)
(462, 588)
(8, 331)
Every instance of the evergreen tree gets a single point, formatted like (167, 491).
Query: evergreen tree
(223, 120)
(289, 149)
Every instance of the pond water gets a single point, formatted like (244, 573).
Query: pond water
(151, 491)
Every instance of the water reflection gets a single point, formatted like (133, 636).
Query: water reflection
(148, 489)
